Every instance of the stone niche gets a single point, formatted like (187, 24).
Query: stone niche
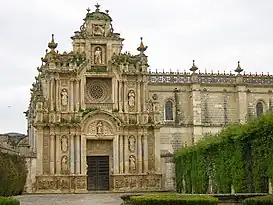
(62, 184)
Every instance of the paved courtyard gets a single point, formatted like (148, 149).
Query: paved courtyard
(69, 199)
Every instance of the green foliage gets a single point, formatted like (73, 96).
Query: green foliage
(240, 156)
(259, 200)
(8, 201)
(13, 174)
(88, 110)
(173, 199)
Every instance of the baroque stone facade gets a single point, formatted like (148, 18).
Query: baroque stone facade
(99, 119)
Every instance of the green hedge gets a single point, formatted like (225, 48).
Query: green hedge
(173, 199)
(13, 174)
(260, 200)
(8, 201)
(240, 156)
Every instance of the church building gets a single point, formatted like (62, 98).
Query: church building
(100, 119)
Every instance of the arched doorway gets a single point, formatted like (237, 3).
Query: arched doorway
(100, 133)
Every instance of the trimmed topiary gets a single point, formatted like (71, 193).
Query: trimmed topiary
(8, 201)
(259, 200)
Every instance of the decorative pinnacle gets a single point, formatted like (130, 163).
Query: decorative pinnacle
(238, 69)
(141, 47)
(52, 45)
(97, 7)
(88, 10)
(193, 68)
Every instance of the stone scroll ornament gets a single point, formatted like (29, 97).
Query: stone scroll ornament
(131, 98)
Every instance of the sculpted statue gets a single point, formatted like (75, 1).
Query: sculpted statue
(132, 163)
(99, 128)
(64, 143)
(131, 98)
(64, 164)
(98, 30)
(97, 56)
(64, 97)
(132, 143)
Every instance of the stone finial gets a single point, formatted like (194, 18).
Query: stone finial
(141, 47)
(238, 69)
(193, 68)
(52, 45)
(88, 10)
(97, 7)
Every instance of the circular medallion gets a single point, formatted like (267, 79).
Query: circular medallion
(96, 91)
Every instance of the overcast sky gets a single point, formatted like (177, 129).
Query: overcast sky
(216, 33)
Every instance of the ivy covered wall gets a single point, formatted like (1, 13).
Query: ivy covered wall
(238, 159)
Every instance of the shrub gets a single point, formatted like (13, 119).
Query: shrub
(259, 200)
(8, 201)
(173, 199)
(13, 174)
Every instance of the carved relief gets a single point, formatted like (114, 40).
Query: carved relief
(98, 91)
(99, 128)
(131, 84)
(131, 98)
(81, 183)
(64, 97)
(45, 184)
(155, 96)
(98, 30)
(132, 143)
(132, 163)
(151, 155)
(64, 144)
(64, 164)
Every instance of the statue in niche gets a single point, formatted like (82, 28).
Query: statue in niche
(99, 128)
(64, 143)
(98, 56)
(132, 163)
(131, 98)
(64, 164)
(98, 30)
(132, 143)
(64, 97)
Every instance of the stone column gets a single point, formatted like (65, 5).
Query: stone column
(39, 144)
(144, 93)
(138, 96)
(77, 97)
(82, 94)
(121, 155)
(78, 154)
(120, 95)
(71, 95)
(125, 100)
(145, 149)
(83, 155)
(52, 153)
(116, 94)
(139, 153)
(72, 171)
(126, 155)
(51, 94)
(58, 154)
(57, 94)
(116, 154)
(48, 89)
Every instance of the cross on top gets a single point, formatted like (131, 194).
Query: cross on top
(97, 7)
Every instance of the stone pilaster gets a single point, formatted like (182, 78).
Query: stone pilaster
(116, 154)
(139, 154)
(196, 112)
(52, 94)
(58, 153)
(77, 95)
(83, 155)
(71, 95)
(125, 100)
(157, 150)
(120, 95)
(126, 155)
(121, 155)
(78, 154)
(242, 103)
(57, 94)
(72, 151)
(52, 153)
(82, 90)
(145, 157)
(138, 96)
(39, 143)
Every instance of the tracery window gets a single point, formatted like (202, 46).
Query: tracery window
(259, 109)
(169, 110)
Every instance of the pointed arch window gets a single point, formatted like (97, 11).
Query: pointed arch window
(259, 109)
(169, 110)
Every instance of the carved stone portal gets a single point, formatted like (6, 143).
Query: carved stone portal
(132, 143)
